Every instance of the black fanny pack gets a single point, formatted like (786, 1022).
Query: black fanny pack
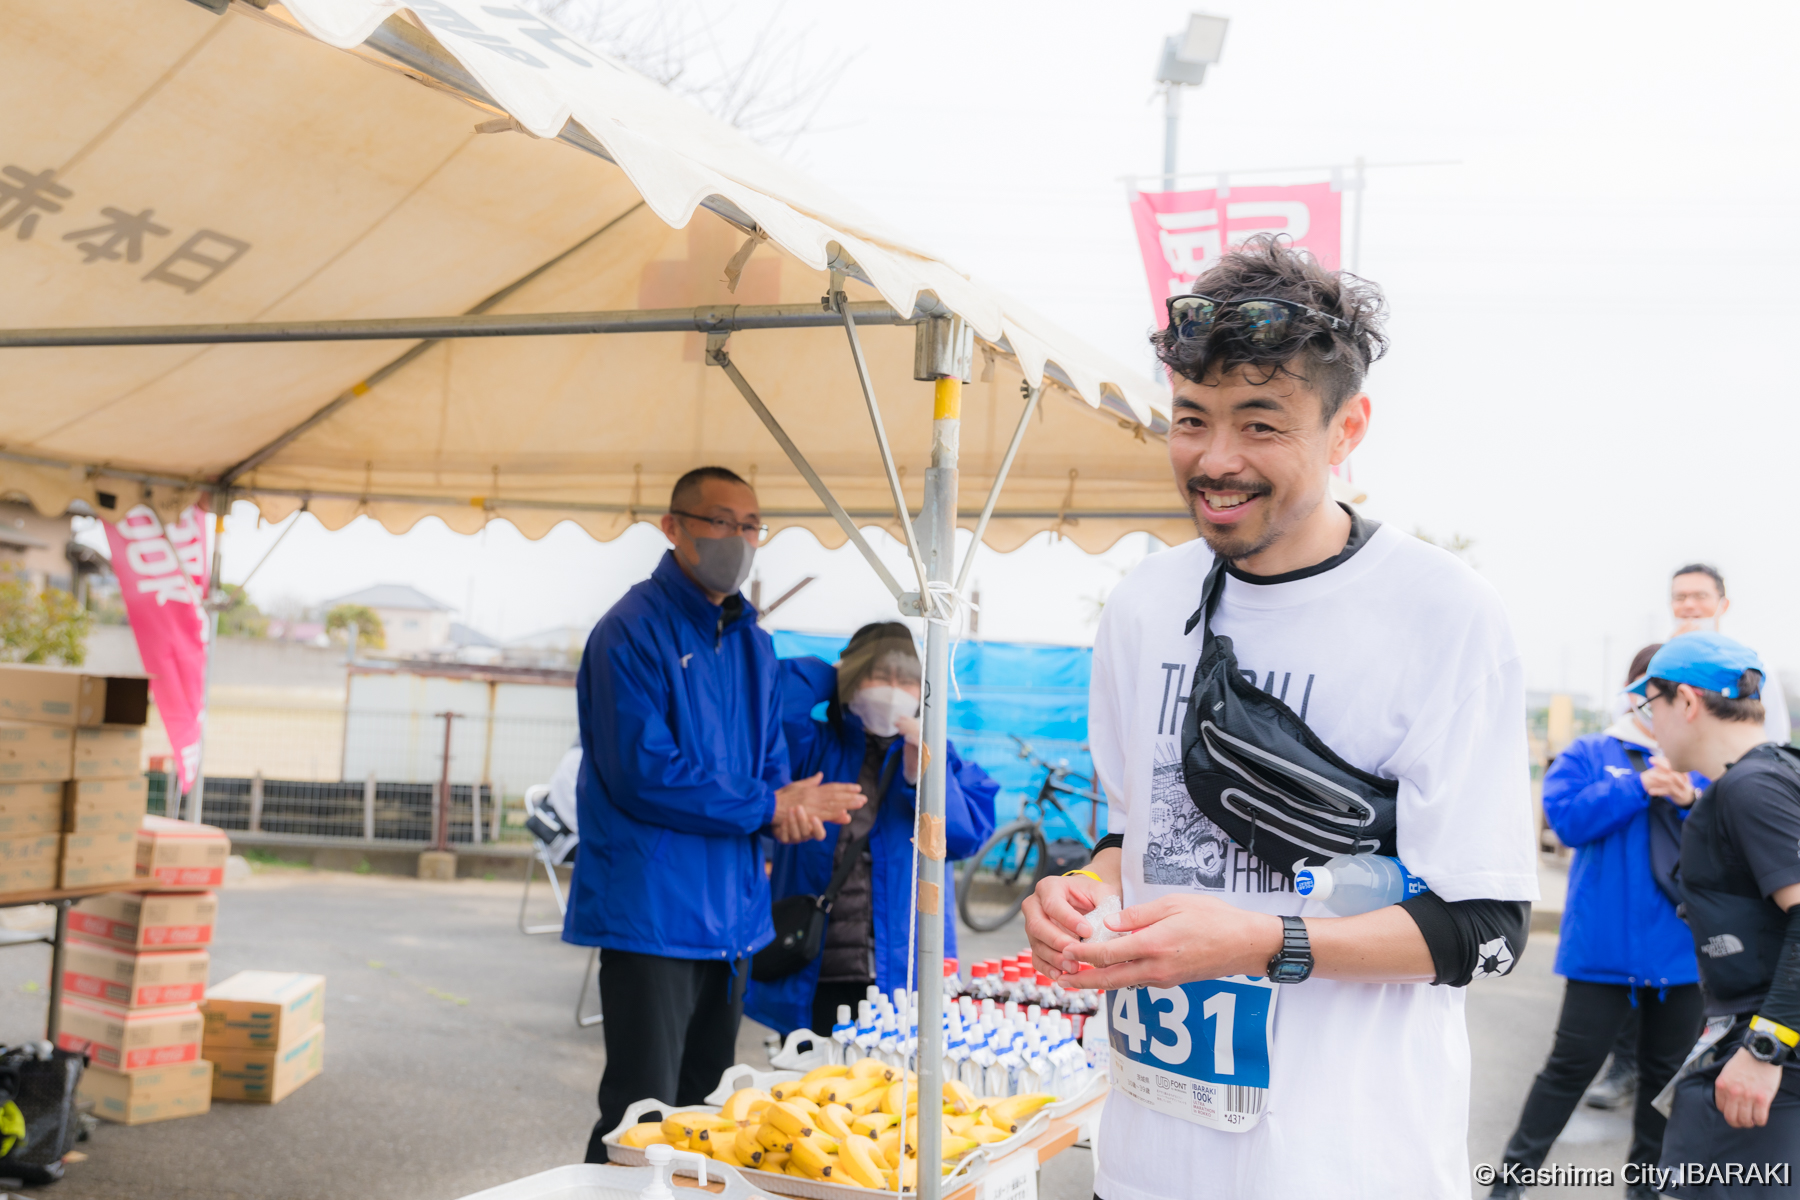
(1256, 771)
(800, 920)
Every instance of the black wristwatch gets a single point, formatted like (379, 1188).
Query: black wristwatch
(1765, 1043)
(1293, 963)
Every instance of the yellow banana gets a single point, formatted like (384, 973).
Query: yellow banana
(959, 1125)
(775, 1160)
(986, 1134)
(860, 1160)
(909, 1173)
(956, 1147)
(889, 1144)
(829, 1071)
(871, 1124)
(681, 1125)
(958, 1098)
(809, 1107)
(813, 1157)
(891, 1101)
(790, 1118)
(846, 1089)
(724, 1148)
(869, 1101)
(647, 1133)
(871, 1068)
(814, 1091)
(1009, 1114)
(746, 1149)
(835, 1119)
(787, 1089)
(738, 1107)
(770, 1137)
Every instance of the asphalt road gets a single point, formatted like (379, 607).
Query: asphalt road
(453, 1062)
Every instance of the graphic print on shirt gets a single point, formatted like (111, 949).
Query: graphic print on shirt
(1185, 847)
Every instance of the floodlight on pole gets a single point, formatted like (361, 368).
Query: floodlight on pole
(1185, 57)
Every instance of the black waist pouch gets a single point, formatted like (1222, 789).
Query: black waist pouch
(1255, 770)
(42, 1082)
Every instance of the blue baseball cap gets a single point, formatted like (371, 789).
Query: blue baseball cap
(1711, 662)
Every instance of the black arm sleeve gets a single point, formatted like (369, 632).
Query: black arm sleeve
(1782, 1005)
(1112, 841)
(1470, 939)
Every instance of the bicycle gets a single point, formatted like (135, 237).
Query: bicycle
(997, 878)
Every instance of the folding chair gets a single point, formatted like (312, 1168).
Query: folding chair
(555, 847)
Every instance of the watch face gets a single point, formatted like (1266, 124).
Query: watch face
(1763, 1046)
(1289, 970)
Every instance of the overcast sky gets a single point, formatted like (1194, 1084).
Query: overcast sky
(1591, 310)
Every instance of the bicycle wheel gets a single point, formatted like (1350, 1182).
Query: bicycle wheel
(1001, 874)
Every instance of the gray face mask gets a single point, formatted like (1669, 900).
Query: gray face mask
(724, 563)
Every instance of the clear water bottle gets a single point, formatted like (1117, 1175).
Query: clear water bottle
(1351, 884)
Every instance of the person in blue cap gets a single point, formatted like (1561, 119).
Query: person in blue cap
(1624, 951)
(1734, 1125)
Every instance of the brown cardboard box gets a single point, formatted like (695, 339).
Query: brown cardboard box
(66, 696)
(105, 806)
(109, 752)
(263, 1009)
(150, 980)
(154, 1094)
(25, 809)
(27, 877)
(35, 753)
(180, 854)
(153, 921)
(35, 848)
(129, 1039)
(266, 1075)
(91, 858)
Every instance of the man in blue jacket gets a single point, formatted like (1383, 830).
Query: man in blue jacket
(1620, 805)
(683, 767)
(859, 721)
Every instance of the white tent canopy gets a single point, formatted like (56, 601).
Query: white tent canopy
(180, 168)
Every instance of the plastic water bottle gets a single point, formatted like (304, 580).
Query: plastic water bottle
(843, 1037)
(1351, 884)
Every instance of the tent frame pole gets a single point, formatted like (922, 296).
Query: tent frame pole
(840, 302)
(717, 354)
(987, 512)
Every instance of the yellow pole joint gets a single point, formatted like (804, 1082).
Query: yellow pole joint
(949, 400)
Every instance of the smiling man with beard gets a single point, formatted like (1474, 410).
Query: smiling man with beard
(1262, 1046)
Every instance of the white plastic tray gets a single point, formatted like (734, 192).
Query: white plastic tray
(971, 1165)
(743, 1075)
(608, 1181)
(802, 1051)
(1096, 1086)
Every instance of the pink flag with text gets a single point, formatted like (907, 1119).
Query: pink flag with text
(162, 579)
(1182, 234)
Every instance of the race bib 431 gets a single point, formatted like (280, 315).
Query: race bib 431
(1199, 1051)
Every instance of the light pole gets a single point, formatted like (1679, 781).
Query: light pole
(1185, 57)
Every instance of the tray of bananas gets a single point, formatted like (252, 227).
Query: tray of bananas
(835, 1131)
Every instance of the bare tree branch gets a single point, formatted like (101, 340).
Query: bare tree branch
(772, 84)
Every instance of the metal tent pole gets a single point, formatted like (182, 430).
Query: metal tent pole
(941, 353)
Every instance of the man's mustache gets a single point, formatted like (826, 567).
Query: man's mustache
(1206, 483)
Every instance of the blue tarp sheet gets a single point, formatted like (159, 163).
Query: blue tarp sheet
(1039, 693)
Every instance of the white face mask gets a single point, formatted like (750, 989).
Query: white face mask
(881, 707)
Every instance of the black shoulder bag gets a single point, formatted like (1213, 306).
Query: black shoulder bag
(1256, 771)
(800, 920)
(1665, 835)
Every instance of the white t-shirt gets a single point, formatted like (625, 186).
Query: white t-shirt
(1400, 658)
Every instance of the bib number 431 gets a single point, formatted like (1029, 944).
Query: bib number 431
(1216, 1030)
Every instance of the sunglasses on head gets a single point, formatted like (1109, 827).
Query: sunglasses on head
(1191, 318)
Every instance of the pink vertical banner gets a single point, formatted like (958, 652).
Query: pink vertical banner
(162, 578)
(1182, 234)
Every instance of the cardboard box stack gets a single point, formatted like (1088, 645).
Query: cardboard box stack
(72, 785)
(133, 975)
(265, 1034)
(136, 966)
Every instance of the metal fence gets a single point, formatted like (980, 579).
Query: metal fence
(383, 811)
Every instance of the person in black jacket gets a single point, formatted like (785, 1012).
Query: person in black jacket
(1734, 1128)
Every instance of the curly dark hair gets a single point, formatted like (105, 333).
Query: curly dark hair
(1331, 362)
